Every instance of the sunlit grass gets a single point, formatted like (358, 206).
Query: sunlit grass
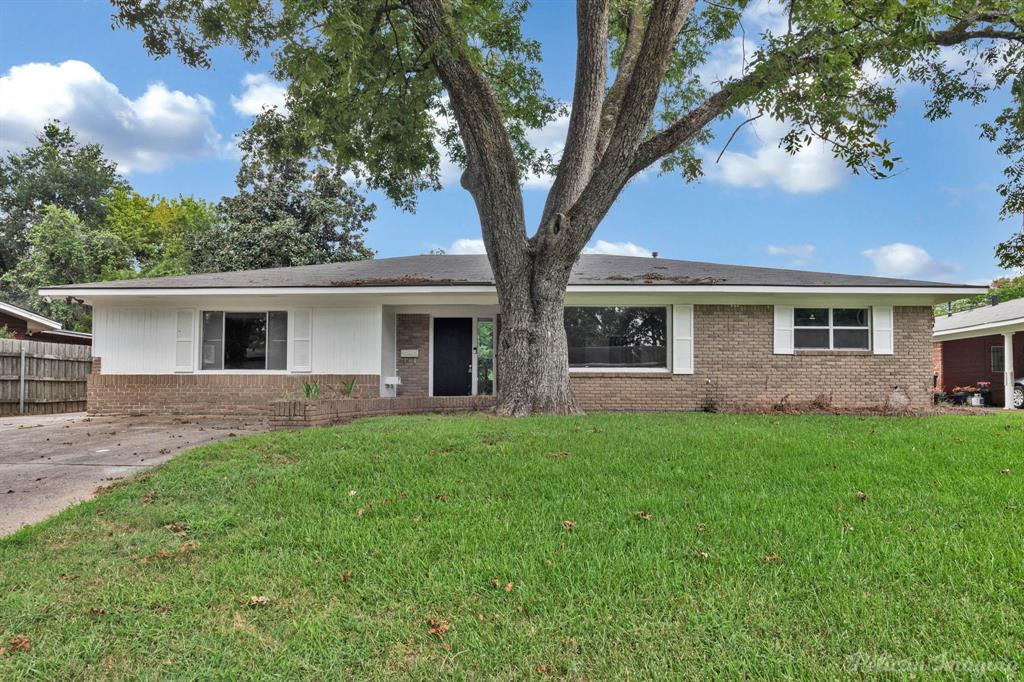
(607, 546)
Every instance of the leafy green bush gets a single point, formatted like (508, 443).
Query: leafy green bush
(1002, 289)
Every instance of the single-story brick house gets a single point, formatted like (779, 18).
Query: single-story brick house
(27, 325)
(982, 344)
(644, 334)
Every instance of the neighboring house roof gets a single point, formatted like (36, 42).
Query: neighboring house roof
(468, 270)
(35, 320)
(990, 319)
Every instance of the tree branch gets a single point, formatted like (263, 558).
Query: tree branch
(577, 160)
(492, 172)
(613, 100)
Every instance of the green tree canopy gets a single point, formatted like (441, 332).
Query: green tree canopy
(56, 171)
(159, 231)
(287, 212)
(64, 248)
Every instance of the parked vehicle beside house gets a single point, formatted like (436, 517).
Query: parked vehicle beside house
(643, 334)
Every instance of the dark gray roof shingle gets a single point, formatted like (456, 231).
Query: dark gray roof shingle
(475, 269)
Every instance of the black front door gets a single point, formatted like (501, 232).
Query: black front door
(453, 355)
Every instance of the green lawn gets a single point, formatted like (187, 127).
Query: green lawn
(697, 544)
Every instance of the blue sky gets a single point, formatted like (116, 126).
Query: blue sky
(171, 130)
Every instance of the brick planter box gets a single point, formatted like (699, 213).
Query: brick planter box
(285, 414)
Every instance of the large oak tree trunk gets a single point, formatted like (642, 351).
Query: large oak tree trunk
(531, 351)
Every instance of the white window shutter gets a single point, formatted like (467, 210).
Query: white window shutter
(682, 339)
(302, 334)
(783, 330)
(882, 329)
(184, 355)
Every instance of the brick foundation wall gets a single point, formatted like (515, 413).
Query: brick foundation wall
(207, 394)
(300, 413)
(412, 332)
(735, 369)
(967, 361)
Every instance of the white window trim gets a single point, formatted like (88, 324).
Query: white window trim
(831, 331)
(198, 326)
(667, 369)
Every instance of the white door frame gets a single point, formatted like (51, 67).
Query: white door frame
(473, 338)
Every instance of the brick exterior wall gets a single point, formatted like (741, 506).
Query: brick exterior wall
(413, 332)
(735, 369)
(207, 394)
(965, 362)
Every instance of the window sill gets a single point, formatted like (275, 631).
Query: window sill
(659, 373)
(812, 352)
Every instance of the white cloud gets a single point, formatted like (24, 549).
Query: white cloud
(261, 92)
(906, 260)
(798, 254)
(143, 134)
(466, 246)
(618, 249)
(812, 169)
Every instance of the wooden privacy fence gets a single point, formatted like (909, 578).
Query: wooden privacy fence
(42, 378)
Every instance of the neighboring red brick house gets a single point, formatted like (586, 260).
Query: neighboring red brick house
(984, 344)
(25, 324)
(643, 333)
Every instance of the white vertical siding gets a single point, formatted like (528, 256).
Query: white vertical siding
(135, 340)
(347, 340)
(148, 340)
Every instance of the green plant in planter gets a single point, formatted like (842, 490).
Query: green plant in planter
(310, 390)
(348, 388)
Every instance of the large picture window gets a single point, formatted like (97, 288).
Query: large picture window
(616, 336)
(245, 341)
(832, 328)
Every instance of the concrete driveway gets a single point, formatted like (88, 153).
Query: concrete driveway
(50, 462)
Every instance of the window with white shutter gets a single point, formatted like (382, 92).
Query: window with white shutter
(682, 339)
(302, 334)
(882, 329)
(184, 355)
(783, 330)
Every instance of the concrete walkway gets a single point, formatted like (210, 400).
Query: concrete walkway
(50, 462)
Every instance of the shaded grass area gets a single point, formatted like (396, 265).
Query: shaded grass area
(605, 546)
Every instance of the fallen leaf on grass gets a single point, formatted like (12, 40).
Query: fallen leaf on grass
(701, 554)
(162, 554)
(509, 586)
(346, 576)
(644, 516)
(360, 512)
(187, 547)
(352, 493)
(1004, 471)
(861, 495)
(702, 527)
(568, 524)
(772, 558)
(179, 528)
(3, 649)
(541, 670)
(149, 497)
(20, 643)
(256, 602)
(437, 627)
